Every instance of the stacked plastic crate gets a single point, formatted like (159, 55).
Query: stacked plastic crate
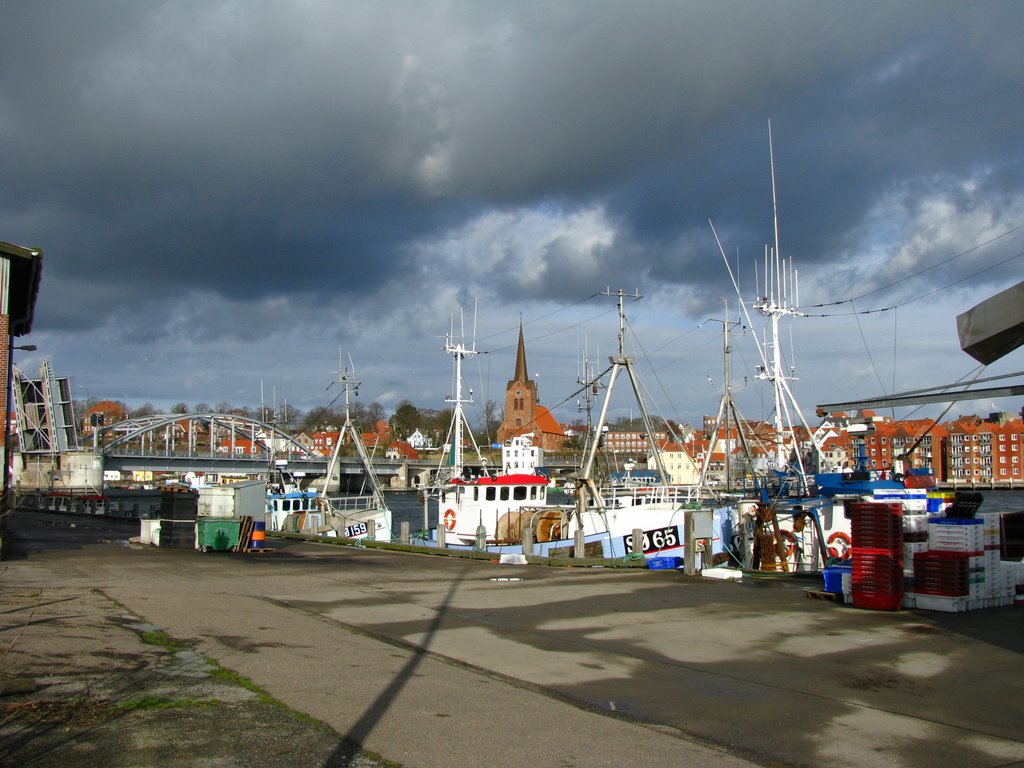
(877, 580)
(952, 570)
(915, 539)
(999, 577)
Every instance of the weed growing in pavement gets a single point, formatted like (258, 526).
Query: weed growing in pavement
(162, 702)
(162, 639)
(219, 672)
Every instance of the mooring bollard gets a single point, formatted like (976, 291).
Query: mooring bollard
(403, 534)
(579, 550)
(441, 535)
(638, 541)
(481, 539)
(528, 540)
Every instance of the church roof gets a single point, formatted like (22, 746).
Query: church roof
(543, 422)
(521, 374)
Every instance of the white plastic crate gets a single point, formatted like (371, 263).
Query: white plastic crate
(940, 603)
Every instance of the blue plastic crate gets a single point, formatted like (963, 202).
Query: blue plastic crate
(663, 563)
(834, 577)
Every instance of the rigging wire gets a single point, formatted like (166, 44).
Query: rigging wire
(543, 336)
(941, 416)
(909, 301)
(639, 344)
(928, 269)
(539, 318)
(867, 349)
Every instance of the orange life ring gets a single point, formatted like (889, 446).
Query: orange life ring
(842, 551)
(449, 519)
(789, 539)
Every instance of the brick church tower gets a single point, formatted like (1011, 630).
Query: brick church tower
(523, 411)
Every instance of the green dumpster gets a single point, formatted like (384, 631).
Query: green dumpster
(218, 533)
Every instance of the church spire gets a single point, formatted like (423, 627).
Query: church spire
(521, 374)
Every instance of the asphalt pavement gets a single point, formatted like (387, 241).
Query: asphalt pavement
(319, 655)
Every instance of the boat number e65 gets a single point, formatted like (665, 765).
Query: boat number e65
(661, 538)
(351, 531)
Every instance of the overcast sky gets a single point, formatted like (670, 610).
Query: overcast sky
(232, 193)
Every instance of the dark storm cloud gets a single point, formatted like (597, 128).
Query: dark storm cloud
(283, 176)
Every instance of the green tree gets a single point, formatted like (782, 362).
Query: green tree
(405, 420)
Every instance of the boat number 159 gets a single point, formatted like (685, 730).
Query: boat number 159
(661, 538)
(358, 529)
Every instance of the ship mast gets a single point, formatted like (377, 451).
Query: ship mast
(726, 409)
(347, 379)
(587, 485)
(459, 425)
(781, 298)
(778, 297)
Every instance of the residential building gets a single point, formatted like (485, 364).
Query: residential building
(679, 465)
(401, 449)
(630, 445)
(419, 441)
(102, 414)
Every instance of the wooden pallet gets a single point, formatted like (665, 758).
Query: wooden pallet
(245, 527)
(817, 594)
(245, 530)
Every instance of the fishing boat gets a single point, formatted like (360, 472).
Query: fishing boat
(316, 511)
(510, 511)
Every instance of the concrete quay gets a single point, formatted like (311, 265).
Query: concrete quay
(423, 661)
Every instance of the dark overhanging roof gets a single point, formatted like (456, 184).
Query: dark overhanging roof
(995, 327)
(25, 274)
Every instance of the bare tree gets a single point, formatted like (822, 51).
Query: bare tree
(374, 413)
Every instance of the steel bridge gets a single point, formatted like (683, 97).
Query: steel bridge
(220, 443)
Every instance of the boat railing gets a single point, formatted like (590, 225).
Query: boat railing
(353, 503)
(635, 495)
